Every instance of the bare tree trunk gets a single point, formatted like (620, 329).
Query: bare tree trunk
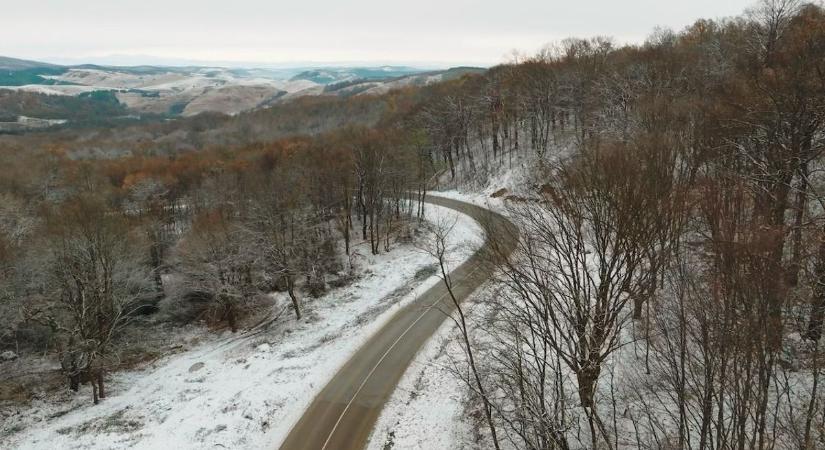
(92, 383)
(347, 225)
(488, 408)
(811, 412)
(495, 132)
(231, 319)
(363, 207)
(156, 259)
(799, 216)
(818, 294)
(440, 254)
(449, 154)
(101, 391)
(290, 288)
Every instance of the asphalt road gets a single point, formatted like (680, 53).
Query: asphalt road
(343, 415)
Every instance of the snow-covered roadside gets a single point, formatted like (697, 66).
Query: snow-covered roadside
(479, 199)
(240, 391)
(426, 411)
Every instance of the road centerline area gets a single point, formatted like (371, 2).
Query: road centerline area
(366, 379)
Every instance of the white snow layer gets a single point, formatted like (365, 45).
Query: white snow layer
(246, 390)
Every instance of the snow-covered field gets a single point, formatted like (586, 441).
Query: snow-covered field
(201, 79)
(245, 390)
(190, 91)
(49, 89)
(205, 89)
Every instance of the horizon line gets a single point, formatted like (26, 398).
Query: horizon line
(135, 60)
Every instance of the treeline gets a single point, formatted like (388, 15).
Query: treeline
(667, 289)
(88, 108)
(88, 245)
(99, 128)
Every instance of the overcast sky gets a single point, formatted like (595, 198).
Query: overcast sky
(240, 32)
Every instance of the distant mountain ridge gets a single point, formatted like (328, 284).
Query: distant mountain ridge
(328, 75)
(190, 90)
(15, 64)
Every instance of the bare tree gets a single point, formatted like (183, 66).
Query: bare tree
(95, 275)
(214, 260)
(579, 262)
(439, 249)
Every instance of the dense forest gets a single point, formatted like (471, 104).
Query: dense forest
(667, 289)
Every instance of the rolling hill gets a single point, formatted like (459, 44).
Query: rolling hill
(186, 91)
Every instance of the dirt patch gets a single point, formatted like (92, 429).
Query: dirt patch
(426, 272)
(515, 198)
(13, 392)
(499, 193)
(388, 445)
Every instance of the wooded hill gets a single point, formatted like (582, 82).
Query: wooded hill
(673, 223)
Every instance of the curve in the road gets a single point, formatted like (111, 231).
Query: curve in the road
(343, 415)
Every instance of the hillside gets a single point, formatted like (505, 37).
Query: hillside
(20, 72)
(14, 64)
(188, 91)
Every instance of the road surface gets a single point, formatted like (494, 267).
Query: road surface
(343, 415)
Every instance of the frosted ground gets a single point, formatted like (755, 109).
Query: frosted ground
(245, 390)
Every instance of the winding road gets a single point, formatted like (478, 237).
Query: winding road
(343, 415)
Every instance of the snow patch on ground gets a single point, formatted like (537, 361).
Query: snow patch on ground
(240, 391)
(56, 89)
